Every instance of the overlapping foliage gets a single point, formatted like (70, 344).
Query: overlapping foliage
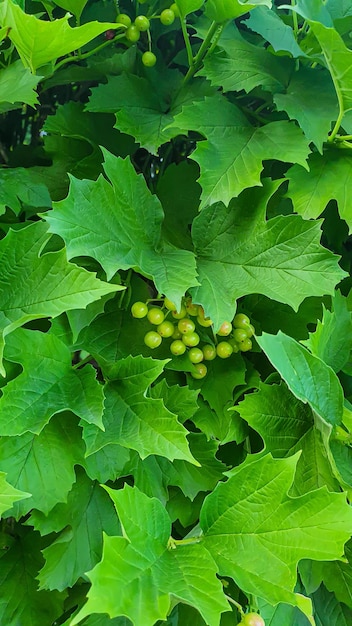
(133, 491)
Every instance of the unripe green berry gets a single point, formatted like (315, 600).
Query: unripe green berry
(177, 347)
(196, 355)
(139, 310)
(240, 334)
(191, 339)
(152, 339)
(142, 23)
(124, 19)
(167, 17)
(245, 345)
(200, 371)
(209, 352)
(241, 321)
(148, 59)
(166, 329)
(132, 33)
(174, 8)
(224, 349)
(155, 316)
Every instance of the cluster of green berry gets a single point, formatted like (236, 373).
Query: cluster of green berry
(142, 24)
(181, 329)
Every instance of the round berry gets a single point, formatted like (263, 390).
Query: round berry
(169, 304)
(109, 34)
(225, 329)
(148, 59)
(166, 329)
(191, 339)
(155, 316)
(124, 19)
(178, 315)
(209, 352)
(196, 355)
(224, 349)
(192, 309)
(142, 23)
(174, 8)
(240, 334)
(252, 619)
(186, 326)
(167, 17)
(139, 310)
(176, 334)
(241, 321)
(152, 339)
(234, 344)
(200, 371)
(245, 345)
(177, 347)
(132, 33)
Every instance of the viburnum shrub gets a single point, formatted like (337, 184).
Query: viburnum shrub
(175, 313)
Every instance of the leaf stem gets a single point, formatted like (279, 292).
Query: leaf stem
(338, 123)
(187, 42)
(294, 19)
(173, 543)
(87, 359)
(197, 61)
(236, 604)
(75, 59)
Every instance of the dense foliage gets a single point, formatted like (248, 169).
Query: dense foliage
(175, 313)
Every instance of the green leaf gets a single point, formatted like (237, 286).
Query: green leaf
(138, 572)
(310, 99)
(240, 253)
(146, 110)
(21, 188)
(314, 10)
(251, 514)
(337, 577)
(328, 611)
(47, 385)
(144, 424)
(9, 495)
(128, 232)
(332, 339)
(223, 10)
(74, 6)
(309, 378)
(188, 6)
(38, 42)
(274, 30)
(20, 600)
(17, 85)
(239, 65)
(286, 427)
(80, 524)
(231, 158)
(40, 286)
(339, 62)
(329, 177)
(43, 465)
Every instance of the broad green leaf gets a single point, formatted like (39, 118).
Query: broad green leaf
(310, 98)
(188, 6)
(328, 611)
(339, 62)
(337, 577)
(230, 159)
(217, 388)
(138, 573)
(40, 286)
(47, 385)
(286, 427)
(43, 465)
(223, 10)
(9, 495)
(143, 424)
(128, 232)
(146, 110)
(314, 10)
(309, 378)
(240, 253)
(332, 339)
(239, 65)
(179, 400)
(74, 6)
(282, 614)
(38, 42)
(17, 85)
(257, 534)
(328, 179)
(20, 600)
(274, 30)
(21, 188)
(80, 524)
(108, 463)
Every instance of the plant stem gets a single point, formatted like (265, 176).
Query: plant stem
(75, 59)
(343, 138)
(236, 604)
(173, 543)
(87, 359)
(197, 61)
(187, 42)
(294, 18)
(335, 130)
